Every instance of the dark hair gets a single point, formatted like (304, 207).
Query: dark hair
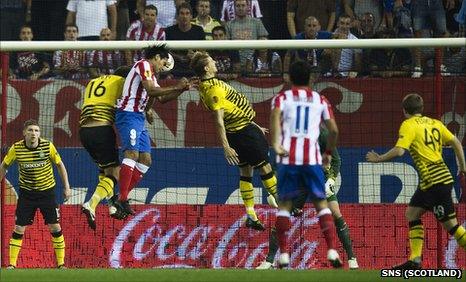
(151, 51)
(71, 25)
(30, 122)
(198, 63)
(183, 5)
(219, 27)
(300, 72)
(25, 26)
(344, 16)
(413, 104)
(151, 7)
(122, 71)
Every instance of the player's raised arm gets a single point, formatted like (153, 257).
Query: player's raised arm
(166, 94)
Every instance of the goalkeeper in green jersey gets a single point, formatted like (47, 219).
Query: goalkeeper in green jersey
(331, 174)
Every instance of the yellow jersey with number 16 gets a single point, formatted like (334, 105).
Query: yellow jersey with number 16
(100, 98)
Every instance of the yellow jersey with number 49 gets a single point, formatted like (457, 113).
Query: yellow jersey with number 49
(424, 137)
(100, 98)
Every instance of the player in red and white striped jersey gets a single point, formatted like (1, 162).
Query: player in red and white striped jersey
(295, 126)
(134, 106)
(303, 109)
(146, 29)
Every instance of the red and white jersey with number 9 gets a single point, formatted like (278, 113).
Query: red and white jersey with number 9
(134, 97)
(302, 110)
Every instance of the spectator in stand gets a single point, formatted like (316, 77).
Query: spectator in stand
(166, 8)
(388, 8)
(347, 62)
(429, 15)
(146, 29)
(366, 31)
(244, 27)
(184, 30)
(27, 64)
(204, 19)
(226, 61)
(402, 20)
(229, 10)
(356, 8)
(91, 16)
(122, 19)
(264, 63)
(367, 24)
(315, 57)
(70, 64)
(389, 62)
(12, 17)
(102, 62)
(299, 10)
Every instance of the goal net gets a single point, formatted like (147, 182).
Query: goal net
(189, 211)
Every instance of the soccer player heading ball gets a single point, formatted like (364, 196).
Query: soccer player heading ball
(135, 106)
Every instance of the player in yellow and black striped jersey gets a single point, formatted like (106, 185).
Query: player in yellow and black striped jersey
(243, 141)
(35, 156)
(424, 137)
(99, 139)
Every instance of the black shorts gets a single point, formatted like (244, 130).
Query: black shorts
(436, 199)
(100, 143)
(30, 201)
(250, 145)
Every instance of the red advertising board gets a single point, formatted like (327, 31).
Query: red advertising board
(214, 236)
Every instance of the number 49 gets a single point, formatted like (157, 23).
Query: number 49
(430, 138)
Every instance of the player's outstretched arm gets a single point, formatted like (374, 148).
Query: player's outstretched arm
(64, 178)
(170, 91)
(394, 152)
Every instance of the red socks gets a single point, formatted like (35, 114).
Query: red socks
(282, 225)
(327, 226)
(126, 174)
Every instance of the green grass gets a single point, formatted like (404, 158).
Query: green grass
(207, 275)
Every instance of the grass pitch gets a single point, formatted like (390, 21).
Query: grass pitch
(191, 275)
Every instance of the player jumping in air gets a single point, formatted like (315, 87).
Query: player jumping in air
(243, 141)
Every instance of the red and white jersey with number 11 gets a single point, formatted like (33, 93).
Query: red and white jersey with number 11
(302, 110)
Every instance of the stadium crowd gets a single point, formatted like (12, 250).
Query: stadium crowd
(160, 20)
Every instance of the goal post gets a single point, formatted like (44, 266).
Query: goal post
(189, 211)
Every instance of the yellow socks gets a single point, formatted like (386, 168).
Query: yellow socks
(416, 239)
(247, 194)
(270, 183)
(16, 241)
(460, 235)
(103, 190)
(58, 242)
